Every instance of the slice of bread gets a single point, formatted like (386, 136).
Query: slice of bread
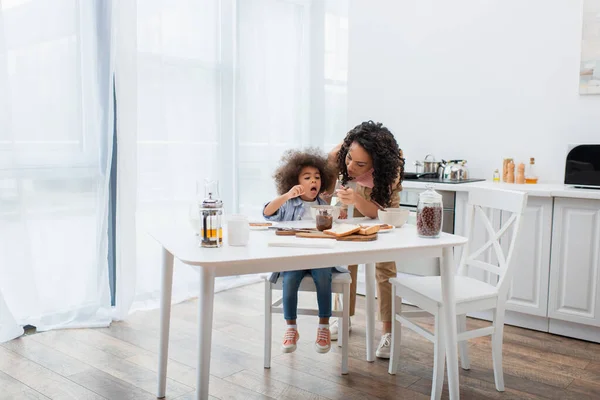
(260, 224)
(340, 230)
(369, 230)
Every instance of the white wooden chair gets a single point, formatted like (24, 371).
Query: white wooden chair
(340, 283)
(471, 294)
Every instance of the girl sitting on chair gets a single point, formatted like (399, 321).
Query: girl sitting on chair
(300, 179)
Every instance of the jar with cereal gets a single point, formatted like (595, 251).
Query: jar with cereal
(429, 213)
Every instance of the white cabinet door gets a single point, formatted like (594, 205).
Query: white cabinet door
(531, 259)
(575, 262)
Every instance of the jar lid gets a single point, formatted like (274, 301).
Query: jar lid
(430, 195)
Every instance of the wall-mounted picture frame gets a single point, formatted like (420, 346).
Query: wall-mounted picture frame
(589, 73)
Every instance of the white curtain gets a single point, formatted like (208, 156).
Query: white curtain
(55, 141)
(222, 88)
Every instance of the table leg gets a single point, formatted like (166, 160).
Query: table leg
(449, 307)
(370, 295)
(205, 320)
(165, 319)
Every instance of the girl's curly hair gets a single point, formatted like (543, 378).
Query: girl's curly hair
(388, 163)
(292, 162)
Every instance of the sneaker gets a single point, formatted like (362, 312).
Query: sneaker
(323, 343)
(334, 328)
(383, 351)
(289, 340)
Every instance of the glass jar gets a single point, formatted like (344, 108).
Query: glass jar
(211, 217)
(324, 218)
(429, 214)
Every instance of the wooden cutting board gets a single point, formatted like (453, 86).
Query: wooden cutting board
(293, 232)
(349, 238)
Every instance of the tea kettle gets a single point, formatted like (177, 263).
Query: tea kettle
(455, 170)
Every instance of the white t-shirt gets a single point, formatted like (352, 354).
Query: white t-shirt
(307, 205)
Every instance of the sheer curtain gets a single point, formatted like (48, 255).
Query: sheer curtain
(55, 77)
(222, 88)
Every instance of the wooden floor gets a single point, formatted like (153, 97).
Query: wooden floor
(120, 362)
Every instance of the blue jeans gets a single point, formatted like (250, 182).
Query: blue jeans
(291, 283)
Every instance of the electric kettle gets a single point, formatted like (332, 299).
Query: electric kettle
(455, 170)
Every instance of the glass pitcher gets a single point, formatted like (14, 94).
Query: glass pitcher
(211, 216)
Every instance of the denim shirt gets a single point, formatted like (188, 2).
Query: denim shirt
(293, 210)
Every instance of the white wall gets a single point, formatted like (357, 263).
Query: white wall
(472, 79)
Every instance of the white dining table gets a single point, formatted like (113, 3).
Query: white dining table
(263, 254)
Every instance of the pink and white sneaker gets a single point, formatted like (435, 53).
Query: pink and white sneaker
(323, 343)
(289, 340)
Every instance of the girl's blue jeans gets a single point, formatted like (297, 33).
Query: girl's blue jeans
(291, 283)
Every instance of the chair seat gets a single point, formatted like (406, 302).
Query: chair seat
(466, 288)
(307, 283)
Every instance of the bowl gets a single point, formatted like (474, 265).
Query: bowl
(334, 209)
(393, 216)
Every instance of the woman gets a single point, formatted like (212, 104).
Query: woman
(370, 157)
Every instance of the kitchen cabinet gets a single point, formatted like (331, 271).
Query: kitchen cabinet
(574, 294)
(556, 283)
(528, 291)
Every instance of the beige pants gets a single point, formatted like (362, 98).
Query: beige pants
(383, 272)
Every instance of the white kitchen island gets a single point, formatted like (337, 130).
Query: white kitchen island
(556, 287)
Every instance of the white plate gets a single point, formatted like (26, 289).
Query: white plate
(380, 230)
(259, 228)
(386, 230)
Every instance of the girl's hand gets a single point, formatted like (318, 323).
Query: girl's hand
(346, 196)
(296, 191)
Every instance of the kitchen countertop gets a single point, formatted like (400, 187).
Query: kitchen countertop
(537, 190)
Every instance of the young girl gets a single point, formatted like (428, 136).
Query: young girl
(300, 179)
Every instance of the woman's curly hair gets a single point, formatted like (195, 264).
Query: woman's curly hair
(291, 163)
(388, 163)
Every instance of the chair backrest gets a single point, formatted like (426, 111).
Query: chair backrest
(508, 202)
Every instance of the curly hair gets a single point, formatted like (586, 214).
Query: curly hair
(388, 163)
(291, 163)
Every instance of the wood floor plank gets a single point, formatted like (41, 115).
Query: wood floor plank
(516, 350)
(46, 356)
(356, 381)
(474, 389)
(41, 379)
(182, 351)
(110, 387)
(314, 384)
(522, 384)
(192, 396)
(120, 362)
(187, 376)
(593, 366)
(68, 343)
(12, 389)
(583, 388)
(261, 383)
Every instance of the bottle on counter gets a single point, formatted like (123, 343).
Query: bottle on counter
(521, 173)
(505, 163)
(530, 172)
(510, 175)
(496, 175)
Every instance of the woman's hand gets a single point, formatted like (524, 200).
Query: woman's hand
(296, 191)
(346, 196)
